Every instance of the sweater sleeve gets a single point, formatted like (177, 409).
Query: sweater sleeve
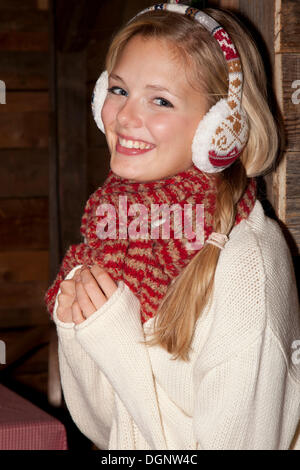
(88, 394)
(114, 338)
(243, 403)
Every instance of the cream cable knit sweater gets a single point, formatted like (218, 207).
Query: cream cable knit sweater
(241, 387)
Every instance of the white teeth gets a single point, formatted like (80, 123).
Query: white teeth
(133, 144)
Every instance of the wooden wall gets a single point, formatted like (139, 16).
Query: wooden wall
(24, 241)
(287, 72)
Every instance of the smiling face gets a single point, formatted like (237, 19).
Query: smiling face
(166, 120)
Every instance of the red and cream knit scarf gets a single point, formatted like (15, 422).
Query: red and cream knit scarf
(146, 265)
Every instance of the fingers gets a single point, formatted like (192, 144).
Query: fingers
(64, 314)
(84, 294)
(84, 301)
(92, 288)
(77, 315)
(67, 287)
(65, 301)
(104, 280)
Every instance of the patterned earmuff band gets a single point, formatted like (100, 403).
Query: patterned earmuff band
(223, 132)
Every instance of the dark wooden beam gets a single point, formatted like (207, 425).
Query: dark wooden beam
(75, 19)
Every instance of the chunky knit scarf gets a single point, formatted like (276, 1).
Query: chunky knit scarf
(146, 265)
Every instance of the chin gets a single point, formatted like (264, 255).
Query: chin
(122, 169)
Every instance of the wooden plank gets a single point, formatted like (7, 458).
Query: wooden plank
(74, 22)
(54, 382)
(291, 99)
(24, 70)
(24, 101)
(72, 144)
(293, 212)
(54, 228)
(229, 4)
(293, 175)
(293, 224)
(23, 20)
(22, 266)
(98, 167)
(16, 295)
(95, 137)
(24, 41)
(24, 173)
(26, 347)
(42, 4)
(261, 15)
(23, 317)
(109, 18)
(24, 224)
(17, 5)
(96, 52)
(289, 31)
(24, 130)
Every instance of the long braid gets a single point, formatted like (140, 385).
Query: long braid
(230, 188)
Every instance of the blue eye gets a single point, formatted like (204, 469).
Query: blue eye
(113, 88)
(167, 105)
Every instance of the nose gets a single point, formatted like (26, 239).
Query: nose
(130, 115)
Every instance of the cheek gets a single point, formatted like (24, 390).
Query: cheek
(166, 127)
(108, 113)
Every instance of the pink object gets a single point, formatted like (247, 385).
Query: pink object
(24, 426)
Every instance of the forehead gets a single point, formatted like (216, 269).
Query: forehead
(153, 58)
(160, 47)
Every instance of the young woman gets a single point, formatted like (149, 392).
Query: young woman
(166, 344)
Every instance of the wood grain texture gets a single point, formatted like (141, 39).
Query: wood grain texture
(24, 70)
(14, 5)
(23, 266)
(24, 173)
(30, 20)
(96, 52)
(291, 109)
(71, 101)
(261, 15)
(26, 349)
(19, 317)
(24, 41)
(25, 101)
(293, 175)
(24, 224)
(25, 295)
(293, 200)
(227, 4)
(289, 32)
(98, 167)
(24, 130)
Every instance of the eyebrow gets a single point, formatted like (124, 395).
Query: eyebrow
(154, 87)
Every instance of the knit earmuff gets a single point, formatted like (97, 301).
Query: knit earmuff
(223, 132)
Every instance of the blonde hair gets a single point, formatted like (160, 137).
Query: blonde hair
(191, 291)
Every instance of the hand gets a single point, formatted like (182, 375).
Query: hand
(65, 300)
(93, 287)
